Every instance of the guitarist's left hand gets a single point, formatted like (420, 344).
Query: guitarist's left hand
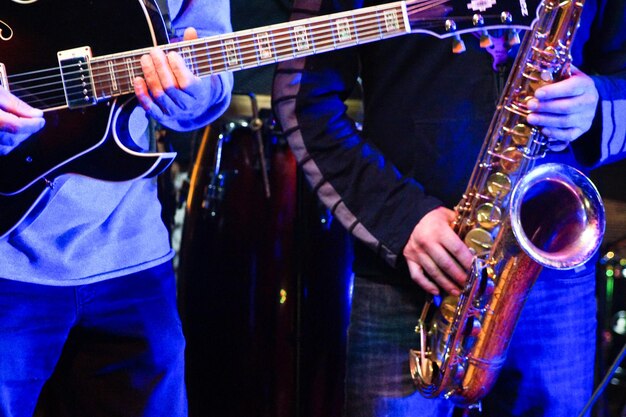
(170, 91)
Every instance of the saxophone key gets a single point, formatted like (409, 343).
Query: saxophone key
(511, 159)
(498, 185)
(479, 240)
(459, 372)
(488, 216)
(519, 134)
(471, 332)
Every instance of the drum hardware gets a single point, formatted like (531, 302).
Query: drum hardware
(208, 162)
(256, 125)
(214, 192)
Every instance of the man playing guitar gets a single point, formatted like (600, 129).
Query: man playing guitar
(87, 289)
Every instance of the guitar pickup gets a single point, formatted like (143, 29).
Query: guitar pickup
(76, 75)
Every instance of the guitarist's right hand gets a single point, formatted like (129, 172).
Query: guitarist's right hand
(18, 121)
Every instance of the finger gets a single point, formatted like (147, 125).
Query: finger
(190, 34)
(447, 273)
(569, 87)
(164, 72)
(459, 250)
(418, 276)
(175, 100)
(10, 123)
(12, 104)
(142, 93)
(158, 86)
(24, 110)
(433, 270)
(185, 79)
(181, 69)
(559, 138)
(151, 77)
(31, 125)
(561, 106)
(146, 101)
(560, 121)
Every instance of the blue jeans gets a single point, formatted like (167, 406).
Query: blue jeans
(549, 369)
(113, 348)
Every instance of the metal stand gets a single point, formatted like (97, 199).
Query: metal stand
(604, 382)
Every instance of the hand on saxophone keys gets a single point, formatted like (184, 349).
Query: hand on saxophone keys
(565, 109)
(437, 258)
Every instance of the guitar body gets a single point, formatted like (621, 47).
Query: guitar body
(91, 140)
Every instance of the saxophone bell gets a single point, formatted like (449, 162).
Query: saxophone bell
(557, 216)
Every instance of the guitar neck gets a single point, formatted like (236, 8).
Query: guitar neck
(81, 80)
(113, 75)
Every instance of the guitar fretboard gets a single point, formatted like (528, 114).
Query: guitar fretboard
(113, 74)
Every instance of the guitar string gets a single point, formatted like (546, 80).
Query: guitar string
(217, 48)
(178, 44)
(203, 63)
(250, 45)
(249, 52)
(102, 81)
(318, 41)
(198, 41)
(243, 54)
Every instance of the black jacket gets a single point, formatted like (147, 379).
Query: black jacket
(426, 113)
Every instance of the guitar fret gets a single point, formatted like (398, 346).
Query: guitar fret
(314, 43)
(187, 54)
(276, 53)
(381, 34)
(208, 57)
(355, 25)
(114, 74)
(130, 69)
(248, 50)
(282, 38)
(217, 58)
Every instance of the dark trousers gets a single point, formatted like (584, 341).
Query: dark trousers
(112, 348)
(548, 373)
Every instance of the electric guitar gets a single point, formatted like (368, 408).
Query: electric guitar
(87, 91)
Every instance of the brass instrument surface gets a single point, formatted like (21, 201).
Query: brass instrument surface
(517, 218)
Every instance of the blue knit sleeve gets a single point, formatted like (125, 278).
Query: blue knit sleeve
(209, 18)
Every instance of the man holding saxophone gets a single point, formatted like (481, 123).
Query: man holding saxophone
(394, 183)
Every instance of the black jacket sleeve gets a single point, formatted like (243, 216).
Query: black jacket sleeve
(376, 202)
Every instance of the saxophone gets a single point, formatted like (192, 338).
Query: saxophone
(517, 216)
